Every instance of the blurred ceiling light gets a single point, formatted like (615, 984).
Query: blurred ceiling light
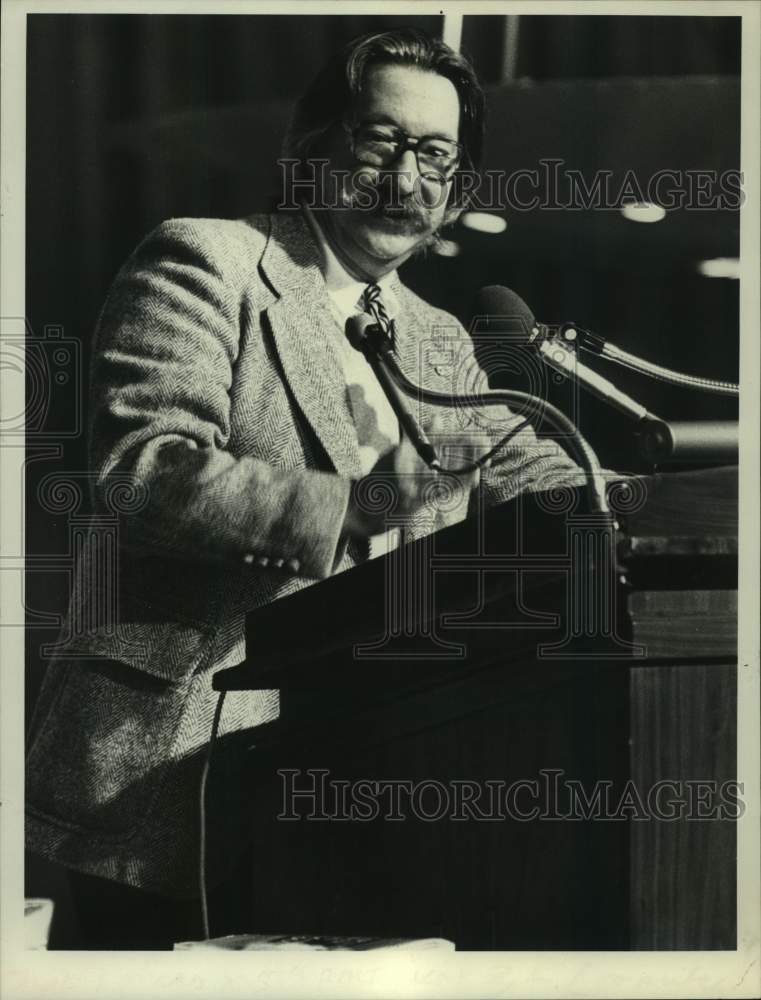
(720, 267)
(484, 222)
(643, 211)
(446, 248)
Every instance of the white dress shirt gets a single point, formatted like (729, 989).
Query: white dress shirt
(376, 423)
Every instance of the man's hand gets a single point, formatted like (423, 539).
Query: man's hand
(399, 484)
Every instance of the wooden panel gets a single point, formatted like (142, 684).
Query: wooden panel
(687, 504)
(500, 883)
(683, 874)
(685, 624)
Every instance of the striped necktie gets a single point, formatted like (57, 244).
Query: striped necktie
(373, 305)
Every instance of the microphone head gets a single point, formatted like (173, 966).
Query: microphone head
(497, 309)
(357, 330)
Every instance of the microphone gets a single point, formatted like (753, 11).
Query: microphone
(365, 336)
(571, 335)
(499, 309)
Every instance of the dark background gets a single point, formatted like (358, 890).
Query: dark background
(134, 119)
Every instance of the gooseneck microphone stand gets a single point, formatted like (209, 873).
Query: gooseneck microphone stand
(367, 337)
(712, 442)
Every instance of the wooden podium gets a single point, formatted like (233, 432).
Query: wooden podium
(538, 709)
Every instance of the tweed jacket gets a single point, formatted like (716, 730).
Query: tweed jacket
(216, 394)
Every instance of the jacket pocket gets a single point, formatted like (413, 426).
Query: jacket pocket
(150, 636)
(100, 747)
(168, 651)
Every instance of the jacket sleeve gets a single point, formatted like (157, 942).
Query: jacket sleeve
(167, 343)
(528, 464)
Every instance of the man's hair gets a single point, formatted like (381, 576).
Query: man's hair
(331, 95)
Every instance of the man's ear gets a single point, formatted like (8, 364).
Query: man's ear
(455, 209)
(453, 213)
(459, 202)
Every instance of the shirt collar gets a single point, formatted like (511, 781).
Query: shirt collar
(345, 290)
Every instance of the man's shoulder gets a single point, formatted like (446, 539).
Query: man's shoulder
(207, 235)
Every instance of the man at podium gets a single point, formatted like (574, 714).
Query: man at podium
(228, 399)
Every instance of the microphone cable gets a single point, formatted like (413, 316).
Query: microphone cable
(520, 401)
(202, 816)
(367, 337)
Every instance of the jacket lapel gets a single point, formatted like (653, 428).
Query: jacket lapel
(412, 348)
(302, 326)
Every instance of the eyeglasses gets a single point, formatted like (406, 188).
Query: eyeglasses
(380, 145)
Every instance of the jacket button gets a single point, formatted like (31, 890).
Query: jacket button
(278, 563)
(248, 558)
(262, 561)
(293, 565)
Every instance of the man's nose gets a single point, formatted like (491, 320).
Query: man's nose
(407, 172)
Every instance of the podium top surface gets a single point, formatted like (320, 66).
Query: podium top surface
(669, 523)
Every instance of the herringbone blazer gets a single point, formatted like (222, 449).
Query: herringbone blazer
(216, 393)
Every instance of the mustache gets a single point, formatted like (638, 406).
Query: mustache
(399, 209)
(405, 211)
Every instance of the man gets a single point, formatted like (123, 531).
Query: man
(226, 393)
